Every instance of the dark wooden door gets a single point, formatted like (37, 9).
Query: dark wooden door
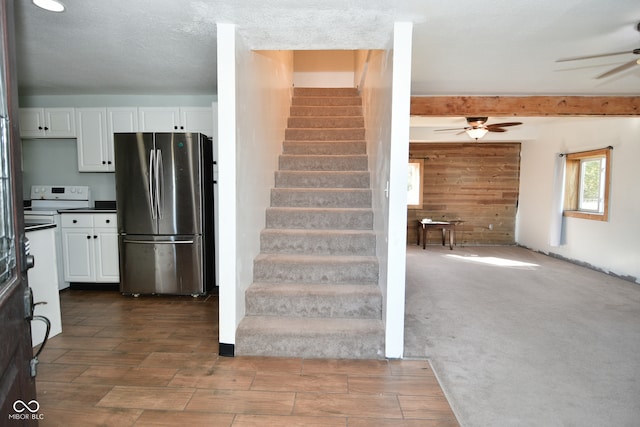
(18, 402)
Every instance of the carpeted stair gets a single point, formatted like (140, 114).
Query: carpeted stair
(315, 292)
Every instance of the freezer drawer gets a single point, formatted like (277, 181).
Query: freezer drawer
(161, 265)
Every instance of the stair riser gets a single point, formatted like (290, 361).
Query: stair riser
(327, 100)
(326, 110)
(303, 179)
(325, 122)
(269, 271)
(324, 147)
(329, 346)
(311, 134)
(355, 307)
(282, 242)
(320, 198)
(325, 91)
(317, 219)
(323, 163)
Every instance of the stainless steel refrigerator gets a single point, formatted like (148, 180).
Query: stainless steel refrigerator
(164, 196)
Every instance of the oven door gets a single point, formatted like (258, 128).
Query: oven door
(33, 217)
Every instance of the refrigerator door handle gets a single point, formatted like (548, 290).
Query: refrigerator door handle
(159, 184)
(159, 242)
(152, 173)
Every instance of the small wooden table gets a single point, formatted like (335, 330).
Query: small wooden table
(423, 227)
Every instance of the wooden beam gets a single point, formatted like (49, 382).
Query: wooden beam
(525, 106)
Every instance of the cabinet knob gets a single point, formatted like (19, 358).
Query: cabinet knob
(39, 127)
(109, 162)
(75, 221)
(88, 237)
(175, 127)
(181, 127)
(46, 128)
(95, 237)
(104, 163)
(108, 221)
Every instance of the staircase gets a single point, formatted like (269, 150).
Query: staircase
(315, 292)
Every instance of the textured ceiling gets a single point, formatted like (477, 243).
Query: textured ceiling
(466, 47)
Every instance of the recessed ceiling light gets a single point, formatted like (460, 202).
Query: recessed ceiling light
(50, 5)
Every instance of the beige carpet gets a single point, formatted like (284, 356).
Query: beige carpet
(521, 339)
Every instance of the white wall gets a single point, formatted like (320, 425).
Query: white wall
(55, 162)
(324, 68)
(253, 103)
(398, 176)
(264, 90)
(610, 246)
(386, 100)
(226, 37)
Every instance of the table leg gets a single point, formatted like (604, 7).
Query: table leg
(418, 233)
(424, 237)
(452, 237)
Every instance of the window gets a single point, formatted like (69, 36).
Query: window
(587, 184)
(414, 184)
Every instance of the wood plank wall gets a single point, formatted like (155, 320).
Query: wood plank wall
(474, 182)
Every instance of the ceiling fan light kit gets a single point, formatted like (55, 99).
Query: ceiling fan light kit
(478, 128)
(476, 133)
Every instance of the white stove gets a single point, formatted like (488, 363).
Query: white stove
(49, 198)
(46, 200)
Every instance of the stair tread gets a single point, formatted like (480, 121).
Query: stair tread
(311, 258)
(321, 189)
(315, 288)
(324, 232)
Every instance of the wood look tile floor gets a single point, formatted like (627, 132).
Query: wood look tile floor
(152, 361)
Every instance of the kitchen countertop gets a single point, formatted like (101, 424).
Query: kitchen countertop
(101, 206)
(88, 210)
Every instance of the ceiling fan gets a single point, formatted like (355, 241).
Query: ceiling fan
(478, 128)
(615, 70)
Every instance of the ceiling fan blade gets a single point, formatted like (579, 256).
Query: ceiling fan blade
(450, 129)
(618, 69)
(504, 125)
(494, 129)
(602, 55)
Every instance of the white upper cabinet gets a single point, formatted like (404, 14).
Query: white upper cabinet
(47, 123)
(122, 119)
(176, 119)
(93, 155)
(197, 119)
(95, 129)
(159, 119)
(119, 119)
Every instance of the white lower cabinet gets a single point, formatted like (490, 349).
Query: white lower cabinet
(90, 248)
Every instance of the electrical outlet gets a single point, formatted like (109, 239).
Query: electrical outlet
(490, 226)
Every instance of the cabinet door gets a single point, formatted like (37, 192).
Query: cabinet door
(78, 252)
(159, 119)
(32, 122)
(107, 262)
(92, 140)
(119, 119)
(197, 119)
(60, 122)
